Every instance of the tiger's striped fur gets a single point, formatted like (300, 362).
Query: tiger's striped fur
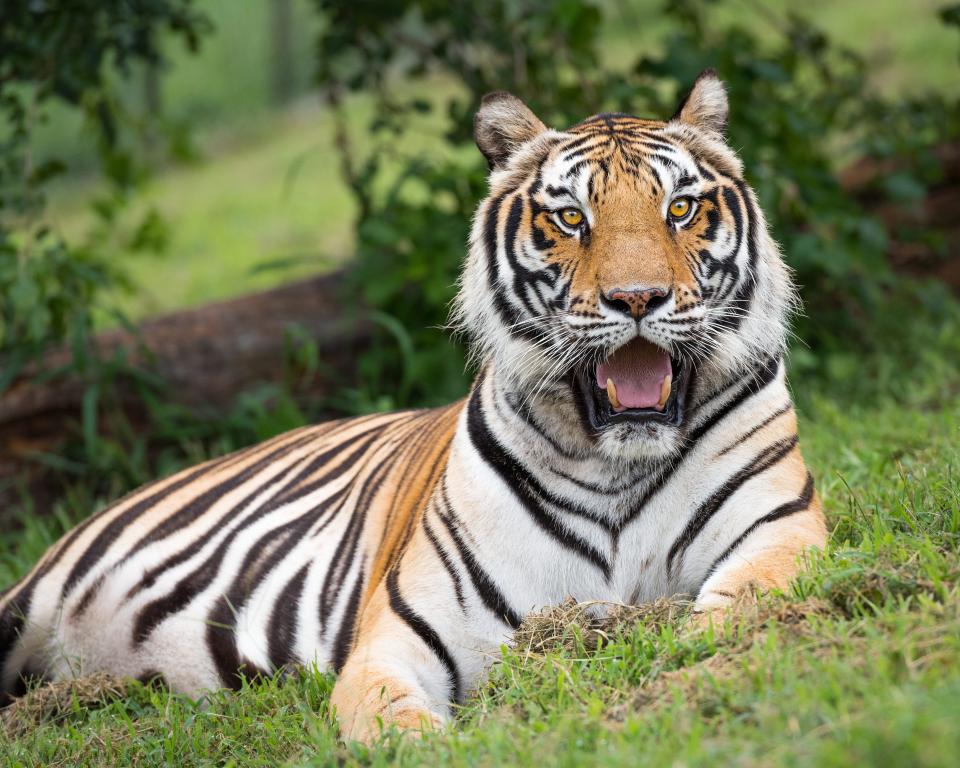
(402, 549)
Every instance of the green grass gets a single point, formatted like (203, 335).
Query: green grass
(859, 664)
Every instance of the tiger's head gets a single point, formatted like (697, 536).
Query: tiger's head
(621, 267)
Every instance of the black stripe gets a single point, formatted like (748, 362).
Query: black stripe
(447, 564)
(282, 626)
(713, 217)
(763, 461)
(343, 643)
(750, 433)
(558, 191)
(424, 631)
(729, 267)
(577, 143)
(784, 510)
(11, 624)
(756, 383)
(482, 582)
(703, 169)
(509, 314)
(748, 285)
(222, 644)
(494, 454)
(523, 278)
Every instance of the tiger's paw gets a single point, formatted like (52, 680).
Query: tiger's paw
(382, 705)
(717, 600)
(406, 721)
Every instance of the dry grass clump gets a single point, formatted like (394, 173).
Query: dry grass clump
(56, 700)
(575, 627)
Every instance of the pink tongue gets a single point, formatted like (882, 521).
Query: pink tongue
(637, 370)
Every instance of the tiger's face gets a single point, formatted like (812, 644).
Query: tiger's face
(624, 261)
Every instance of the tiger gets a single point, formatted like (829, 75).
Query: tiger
(629, 436)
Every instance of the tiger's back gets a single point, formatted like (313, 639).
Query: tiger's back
(204, 574)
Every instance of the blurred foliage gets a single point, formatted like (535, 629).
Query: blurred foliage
(48, 287)
(800, 103)
(66, 54)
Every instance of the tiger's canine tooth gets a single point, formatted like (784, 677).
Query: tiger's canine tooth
(612, 395)
(665, 391)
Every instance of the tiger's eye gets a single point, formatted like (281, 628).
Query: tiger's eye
(680, 207)
(571, 217)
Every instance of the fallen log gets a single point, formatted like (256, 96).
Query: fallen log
(205, 357)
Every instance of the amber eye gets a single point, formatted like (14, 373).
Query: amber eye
(571, 217)
(680, 207)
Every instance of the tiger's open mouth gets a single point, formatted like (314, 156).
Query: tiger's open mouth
(638, 383)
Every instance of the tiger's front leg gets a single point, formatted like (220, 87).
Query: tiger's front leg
(768, 556)
(390, 678)
(415, 654)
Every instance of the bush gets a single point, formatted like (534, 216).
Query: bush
(66, 53)
(51, 290)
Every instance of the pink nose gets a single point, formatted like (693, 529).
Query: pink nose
(636, 302)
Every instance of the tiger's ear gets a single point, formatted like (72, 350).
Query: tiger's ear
(706, 105)
(502, 124)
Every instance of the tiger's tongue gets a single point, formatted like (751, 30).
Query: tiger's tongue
(637, 370)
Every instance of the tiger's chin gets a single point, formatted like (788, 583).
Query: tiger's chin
(639, 442)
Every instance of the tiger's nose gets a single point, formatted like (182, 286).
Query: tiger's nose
(635, 303)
